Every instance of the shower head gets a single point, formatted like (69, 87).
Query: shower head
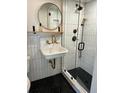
(80, 8)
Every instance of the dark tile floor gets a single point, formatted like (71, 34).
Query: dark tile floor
(53, 84)
(58, 84)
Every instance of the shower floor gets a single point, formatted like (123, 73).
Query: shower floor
(83, 77)
(53, 84)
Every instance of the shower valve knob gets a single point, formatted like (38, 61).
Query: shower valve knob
(74, 31)
(74, 38)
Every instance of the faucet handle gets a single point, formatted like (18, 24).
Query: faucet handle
(49, 42)
(53, 38)
(57, 42)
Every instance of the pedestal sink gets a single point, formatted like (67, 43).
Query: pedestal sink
(52, 51)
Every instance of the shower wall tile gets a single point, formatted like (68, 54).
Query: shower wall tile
(69, 61)
(87, 60)
(90, 38)
(71, 23)
(72, 15)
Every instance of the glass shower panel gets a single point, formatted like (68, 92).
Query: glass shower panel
(80, 66)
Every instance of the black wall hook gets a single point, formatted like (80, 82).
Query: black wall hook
(34, 29)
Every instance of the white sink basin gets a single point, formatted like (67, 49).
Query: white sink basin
(53, 51)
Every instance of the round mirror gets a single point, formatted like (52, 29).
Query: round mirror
(49, 16)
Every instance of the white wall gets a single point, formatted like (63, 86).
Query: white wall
(94, 80)
(39, 67)
(32, 9)
(90, 37)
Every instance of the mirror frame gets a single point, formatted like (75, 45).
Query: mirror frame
(39, 19)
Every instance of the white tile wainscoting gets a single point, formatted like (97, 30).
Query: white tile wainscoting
(39, 66)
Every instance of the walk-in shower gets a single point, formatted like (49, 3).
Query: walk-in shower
(78, 76)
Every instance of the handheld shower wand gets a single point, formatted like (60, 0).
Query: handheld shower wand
(81, 44)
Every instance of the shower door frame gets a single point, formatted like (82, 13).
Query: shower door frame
(73, 82)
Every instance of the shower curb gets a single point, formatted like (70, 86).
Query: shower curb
(75, 85)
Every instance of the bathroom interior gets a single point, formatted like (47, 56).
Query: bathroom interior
(61, 46)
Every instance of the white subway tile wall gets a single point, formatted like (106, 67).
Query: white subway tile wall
(71, 23)
(71, 19)
(90, 37)
(39, 66)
